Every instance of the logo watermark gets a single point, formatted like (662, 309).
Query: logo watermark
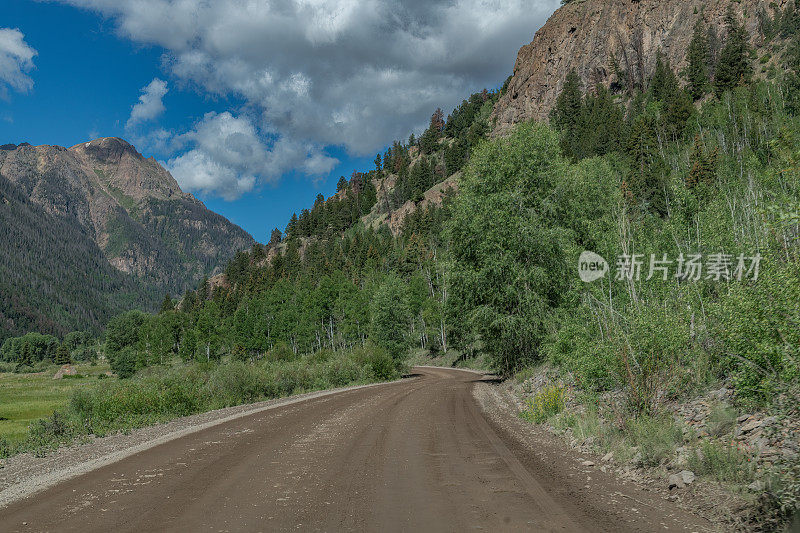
(684, 267)
(591, 266)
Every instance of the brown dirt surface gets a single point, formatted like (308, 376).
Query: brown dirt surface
(414, 455)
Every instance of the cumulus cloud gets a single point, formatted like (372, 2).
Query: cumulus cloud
(227, 154)
(354, 73)
(150, 104)
(16, 58)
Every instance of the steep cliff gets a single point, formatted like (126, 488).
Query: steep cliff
(591, 35)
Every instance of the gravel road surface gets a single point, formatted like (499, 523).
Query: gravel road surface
(415, 455)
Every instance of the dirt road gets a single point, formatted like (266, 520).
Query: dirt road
(417, 455)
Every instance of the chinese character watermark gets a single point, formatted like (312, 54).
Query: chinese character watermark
(685, 267)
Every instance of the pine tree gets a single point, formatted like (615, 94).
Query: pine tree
(698, 58)
(167, 304)
(567, 112)
(455, 156)
(793, 76)
(420, 179)
(189, 301)
(604, 120)
(734, 68)
(437, 120)
(62, 356)
(702, 165)
(342, 183)
(790, 20)
(291, 227)
(677, 110)
(714, 46)
(663, 81)
(203, 292)
(275, 237)
(567, 115)
(677, 104)
(430, 139)
(26, 355)
(647, 179)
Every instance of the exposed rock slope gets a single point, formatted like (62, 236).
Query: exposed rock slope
(585, 34)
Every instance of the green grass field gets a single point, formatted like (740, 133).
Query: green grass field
(27, 397)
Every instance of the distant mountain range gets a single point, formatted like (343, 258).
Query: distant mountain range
(91, 230)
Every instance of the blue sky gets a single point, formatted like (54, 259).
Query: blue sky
(255, 107)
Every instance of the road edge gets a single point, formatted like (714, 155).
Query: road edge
(38, 483)
(479, 372)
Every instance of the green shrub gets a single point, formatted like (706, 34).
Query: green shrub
(281, 352)
(157, 393)
(577, 347)
(721, 420)
(526, 373)
(6, 449)
(85, 353)
(723, 462)
(235, 382)
(124, 362)
(42, 366)
(656, 438)
(143, 399)
(544, 404)
(787, 490)
(757, 323)
(49, 433)
(584, 425)
(341, 371)
(381, 364)
(23, 369)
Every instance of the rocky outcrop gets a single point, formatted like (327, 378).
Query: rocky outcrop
(65, 370)
(432, 197)
(591, 35)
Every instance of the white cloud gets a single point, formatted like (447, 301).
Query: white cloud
(227, 155)
(150, 104)
(316, 73)
(16, 58)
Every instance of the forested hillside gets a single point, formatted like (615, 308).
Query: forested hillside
(96, 229)
(338, 277)
(53, 276)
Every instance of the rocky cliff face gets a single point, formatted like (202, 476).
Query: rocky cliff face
(128, 206)
(587, 35)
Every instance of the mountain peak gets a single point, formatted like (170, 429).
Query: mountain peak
(106, 148)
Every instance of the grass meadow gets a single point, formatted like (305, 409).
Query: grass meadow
(25, 398)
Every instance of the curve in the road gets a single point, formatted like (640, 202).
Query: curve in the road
(416, 455)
